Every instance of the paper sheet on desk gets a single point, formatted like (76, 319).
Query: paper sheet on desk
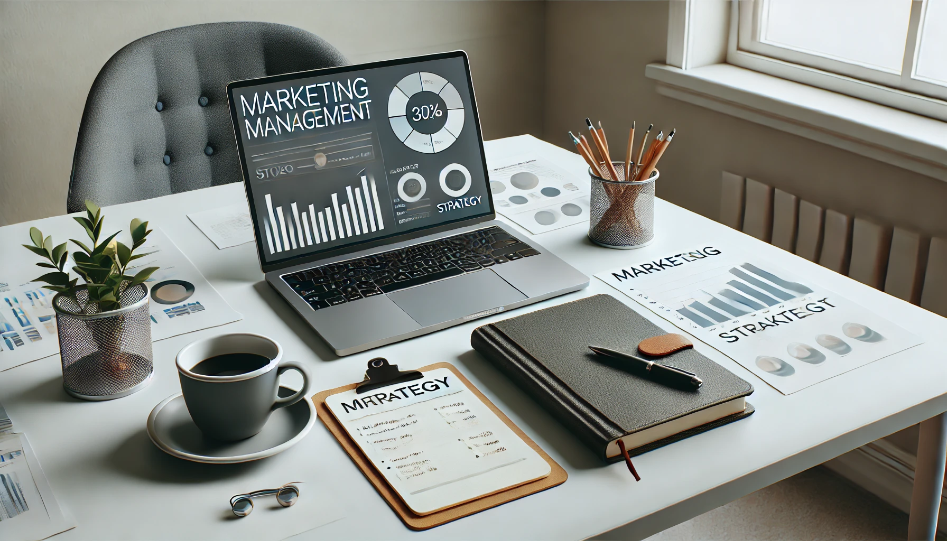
(435, 442)
(28, 509)
(226, 226)
(538, 194)
(182, 301)
(786, 330)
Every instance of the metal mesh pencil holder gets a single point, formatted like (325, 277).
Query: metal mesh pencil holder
(105, 355)
(622, 213)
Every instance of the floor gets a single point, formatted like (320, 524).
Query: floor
(816, 504)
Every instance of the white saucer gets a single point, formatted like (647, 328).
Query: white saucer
(170, 428)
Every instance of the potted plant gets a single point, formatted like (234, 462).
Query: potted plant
(104, 325)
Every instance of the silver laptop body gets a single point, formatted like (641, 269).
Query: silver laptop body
(379, 229)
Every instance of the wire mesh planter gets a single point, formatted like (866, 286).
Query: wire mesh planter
(105, 355)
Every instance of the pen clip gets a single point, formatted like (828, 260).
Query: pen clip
(679, 370)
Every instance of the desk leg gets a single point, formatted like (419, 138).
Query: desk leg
(928, 478)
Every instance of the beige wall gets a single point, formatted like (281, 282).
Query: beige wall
(50, 52)
(596, 53)
(539, 67)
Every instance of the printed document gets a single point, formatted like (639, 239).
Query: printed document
(786, 330)
(435, 442)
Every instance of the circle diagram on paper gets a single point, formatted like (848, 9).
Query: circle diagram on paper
(426, 112)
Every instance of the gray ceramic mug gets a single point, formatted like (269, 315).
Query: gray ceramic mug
(235, 399)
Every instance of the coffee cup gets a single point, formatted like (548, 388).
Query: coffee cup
(231, 382)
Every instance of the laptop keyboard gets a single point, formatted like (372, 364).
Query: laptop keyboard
(349, 281)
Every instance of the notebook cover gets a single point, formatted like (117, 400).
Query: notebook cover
(546, 353)
(556, 477)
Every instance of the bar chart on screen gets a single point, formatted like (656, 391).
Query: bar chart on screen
(352, 212)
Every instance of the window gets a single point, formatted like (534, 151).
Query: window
(892, 52)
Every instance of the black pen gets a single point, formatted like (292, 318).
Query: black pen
(668, 375)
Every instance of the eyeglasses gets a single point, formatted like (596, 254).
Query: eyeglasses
(286, 496)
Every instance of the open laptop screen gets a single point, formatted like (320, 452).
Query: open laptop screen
(344, 156)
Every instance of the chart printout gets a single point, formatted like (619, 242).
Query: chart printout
(435, 442)
(789, 332)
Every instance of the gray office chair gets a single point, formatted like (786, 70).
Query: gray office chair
(156, 121)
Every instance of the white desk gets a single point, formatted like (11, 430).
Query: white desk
(107, 473)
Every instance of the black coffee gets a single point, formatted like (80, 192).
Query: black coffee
(230, 364)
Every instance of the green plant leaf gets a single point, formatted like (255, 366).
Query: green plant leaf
(58, 252)
(37, 237)
(38, 251)
(84, 222)
(100, 248)
(143, 275)
(62, 260)
(48, 245)
(97, 230)
(58, 289)
(140, 232)
(139, 256)
(54, 278)
(124, 254)
(85, 225)
(91, 207)
(85, 248)
(47, 266)
(81, 258)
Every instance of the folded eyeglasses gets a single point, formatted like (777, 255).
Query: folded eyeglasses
(286, 496)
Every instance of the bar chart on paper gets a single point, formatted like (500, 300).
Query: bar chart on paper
(350, 213)
(710, 296)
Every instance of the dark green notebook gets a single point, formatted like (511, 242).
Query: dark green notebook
(546, 353)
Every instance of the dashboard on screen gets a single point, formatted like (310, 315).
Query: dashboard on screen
(350, 155)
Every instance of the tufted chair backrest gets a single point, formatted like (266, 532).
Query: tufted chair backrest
(156, 121)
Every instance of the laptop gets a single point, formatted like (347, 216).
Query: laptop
(371, 203)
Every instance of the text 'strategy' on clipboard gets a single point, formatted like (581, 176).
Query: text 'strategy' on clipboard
(435, 442)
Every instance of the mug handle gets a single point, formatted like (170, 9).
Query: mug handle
(282, 402)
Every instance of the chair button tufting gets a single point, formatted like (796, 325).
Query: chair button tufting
(208, 150)
(203, 101)
(167, 159)
(159, 106)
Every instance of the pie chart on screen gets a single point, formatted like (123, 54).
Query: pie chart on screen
(426, 112)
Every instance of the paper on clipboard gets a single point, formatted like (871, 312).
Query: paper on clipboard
(435, 442)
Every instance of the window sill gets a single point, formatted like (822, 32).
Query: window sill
(883, 133)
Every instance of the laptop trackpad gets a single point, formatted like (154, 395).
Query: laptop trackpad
(456, 297)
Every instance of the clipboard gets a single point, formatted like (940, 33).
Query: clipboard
(381, 374)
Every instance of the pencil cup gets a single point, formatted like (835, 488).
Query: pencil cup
(622, 213)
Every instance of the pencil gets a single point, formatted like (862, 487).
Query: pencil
(650, 152)
(631, 143)
(596, 138)
(644, 139)
(584, 152)
(653, 163)
(588, 147)
(595, 150)
(601, 133)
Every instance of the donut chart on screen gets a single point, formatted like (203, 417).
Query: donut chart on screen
(426, 112)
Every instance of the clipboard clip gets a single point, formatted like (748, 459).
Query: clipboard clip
(381, 374)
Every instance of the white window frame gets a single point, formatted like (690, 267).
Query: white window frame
(903, 91)
(701, 68)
